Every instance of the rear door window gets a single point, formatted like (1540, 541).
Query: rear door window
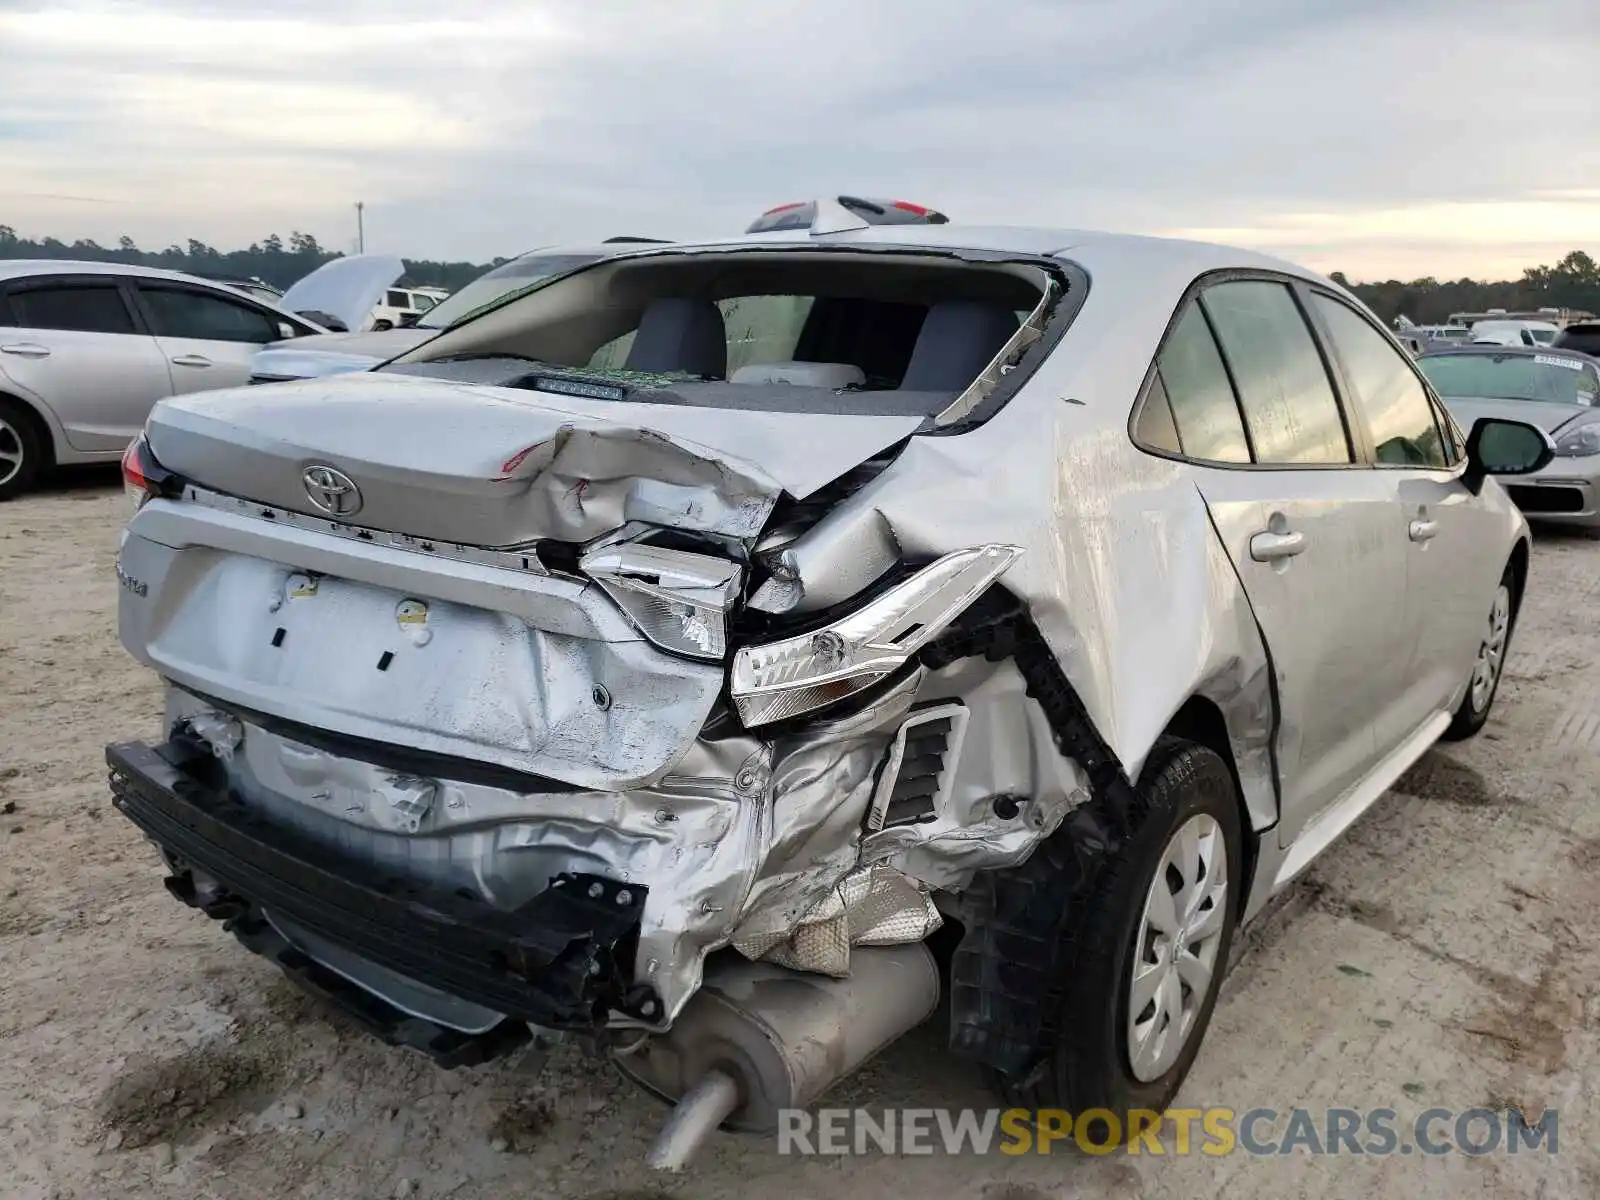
(1289, 404)
(201, 316)
(1205, 412)
(1386, 390)
(77, 307)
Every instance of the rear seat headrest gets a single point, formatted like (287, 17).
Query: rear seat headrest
(958, 339)
(678, 333)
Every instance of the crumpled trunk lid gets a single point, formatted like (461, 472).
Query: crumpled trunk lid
(499, 466)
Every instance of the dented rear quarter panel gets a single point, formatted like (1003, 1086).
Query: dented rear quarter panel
(1123, 570)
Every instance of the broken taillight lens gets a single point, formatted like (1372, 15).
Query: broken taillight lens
(677, 599)
(779, 680)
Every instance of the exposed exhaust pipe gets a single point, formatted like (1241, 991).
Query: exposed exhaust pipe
(756, 1039)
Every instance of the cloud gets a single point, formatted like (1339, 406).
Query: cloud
(1354, 134)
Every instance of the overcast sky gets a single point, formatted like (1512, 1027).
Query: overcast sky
(1380, 137)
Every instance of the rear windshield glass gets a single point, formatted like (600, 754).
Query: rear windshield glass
(893, 333)
(1557, 378)
(503, 280)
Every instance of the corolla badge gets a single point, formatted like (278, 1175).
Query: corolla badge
(331, 490)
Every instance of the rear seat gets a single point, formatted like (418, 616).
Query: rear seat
(958, 340)
(678, 333)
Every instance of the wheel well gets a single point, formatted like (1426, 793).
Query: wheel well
(28, 413)
(1199, 720)
(1519, 572)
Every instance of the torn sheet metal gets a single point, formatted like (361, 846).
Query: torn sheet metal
(742, 840)
(1008, 789)
(696, 839)
(829, 563)
(821, 787)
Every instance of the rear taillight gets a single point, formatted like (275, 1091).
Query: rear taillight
(142, 477)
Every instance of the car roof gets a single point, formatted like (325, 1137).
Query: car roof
(16, 268)
(597, 249)
(1091, 249)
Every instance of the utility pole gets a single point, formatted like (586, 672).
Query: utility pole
(361, 230)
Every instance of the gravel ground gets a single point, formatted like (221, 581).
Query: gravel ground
(1445, 953)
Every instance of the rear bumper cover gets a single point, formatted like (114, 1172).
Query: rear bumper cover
(561, 961)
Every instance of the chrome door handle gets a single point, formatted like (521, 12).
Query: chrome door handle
(1274, 547)
(1421, 531)
(191, 360)
(26, 350)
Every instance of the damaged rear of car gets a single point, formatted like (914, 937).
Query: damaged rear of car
(664, 654)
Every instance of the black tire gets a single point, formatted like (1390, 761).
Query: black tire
(1088, 1063)
(19, 435)
(381, 325)
(1473, 712)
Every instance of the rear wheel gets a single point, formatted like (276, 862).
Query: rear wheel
(1489, 665)
(382, 324)
(1150, 947)
(22, 450)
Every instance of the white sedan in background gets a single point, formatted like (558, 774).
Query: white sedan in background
(86, 348)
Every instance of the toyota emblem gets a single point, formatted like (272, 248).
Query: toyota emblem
(331, 490)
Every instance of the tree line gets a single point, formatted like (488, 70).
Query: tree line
(271, 260)
(1573, 282)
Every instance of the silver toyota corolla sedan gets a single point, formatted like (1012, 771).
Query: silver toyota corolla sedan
(664, 655)
(1558, 390)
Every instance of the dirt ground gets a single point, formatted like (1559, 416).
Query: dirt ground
(1445, 953)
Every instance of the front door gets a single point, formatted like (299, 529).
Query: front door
(1449, 580)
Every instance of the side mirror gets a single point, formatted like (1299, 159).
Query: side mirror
(1498, 447)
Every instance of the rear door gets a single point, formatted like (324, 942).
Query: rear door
(1453, 542)
(207, 336)
(1312, 533)
(75, 343)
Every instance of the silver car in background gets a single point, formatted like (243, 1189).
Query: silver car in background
(361, 349)
(665, 654)
(87, 347)
(1555, 389)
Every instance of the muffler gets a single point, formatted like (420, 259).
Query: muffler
(757, 1039)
